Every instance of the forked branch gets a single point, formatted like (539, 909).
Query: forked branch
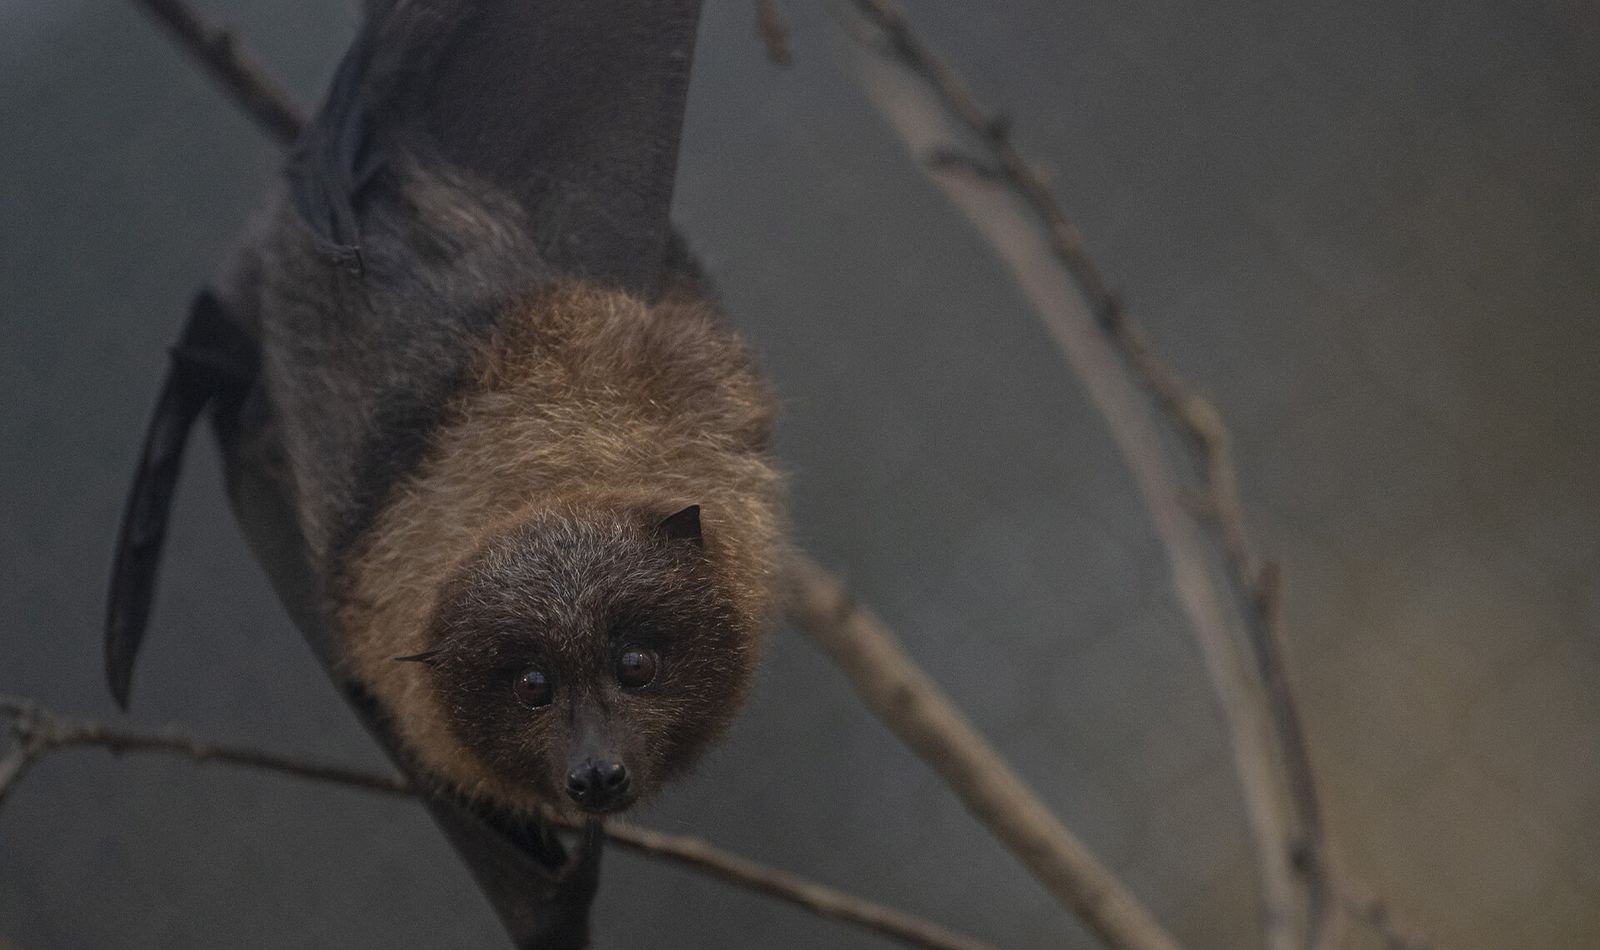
(1235, 617)
(916, 107)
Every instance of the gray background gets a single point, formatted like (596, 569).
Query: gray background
(1369, 229)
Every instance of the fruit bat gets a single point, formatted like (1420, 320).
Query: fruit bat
(482, 421)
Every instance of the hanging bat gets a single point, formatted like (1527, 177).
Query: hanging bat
(524, 458)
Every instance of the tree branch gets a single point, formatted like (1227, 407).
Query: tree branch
(1095, 332)
(1065, 292)
(820, 899)
(911, 705)
(40, 732)
(244, 79)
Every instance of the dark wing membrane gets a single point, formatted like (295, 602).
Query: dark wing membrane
(573, 108)
(214, 360)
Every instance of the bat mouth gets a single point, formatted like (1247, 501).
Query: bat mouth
(611, 808)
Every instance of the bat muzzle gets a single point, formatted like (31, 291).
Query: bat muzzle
(600, 786)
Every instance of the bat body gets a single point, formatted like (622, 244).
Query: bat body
(524, 455)
(494, 495)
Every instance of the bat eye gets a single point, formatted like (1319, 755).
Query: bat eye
(636, 667)
(532, 688)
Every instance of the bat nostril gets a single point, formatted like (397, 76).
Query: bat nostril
(597, 784)
(581, 783)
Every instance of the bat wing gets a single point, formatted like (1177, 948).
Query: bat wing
(213, 362)
(572, 109)
(540, 891)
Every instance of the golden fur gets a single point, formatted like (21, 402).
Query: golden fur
(584, 397)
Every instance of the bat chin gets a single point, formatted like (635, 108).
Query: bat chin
(572, 812)
(587, 810)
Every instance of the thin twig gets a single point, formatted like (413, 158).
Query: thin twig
(40, 732)
(1253, 588)
(817, 898)
(774, 32)
(47, 733)
(245, 79)
(910, 704)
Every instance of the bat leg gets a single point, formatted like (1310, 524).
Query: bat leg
(214, 363)
(541, 890)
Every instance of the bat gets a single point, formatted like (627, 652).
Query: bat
(505, 460)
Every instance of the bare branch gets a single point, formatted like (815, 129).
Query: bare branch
(245, 79)
(1267, 755)
(910, 704)
(39, 732)
(817, 898)
(1031, 258)
(44, 732)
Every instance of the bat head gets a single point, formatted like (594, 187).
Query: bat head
(589, 655)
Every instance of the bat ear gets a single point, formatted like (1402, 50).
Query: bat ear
(683, 525)
(572, 111)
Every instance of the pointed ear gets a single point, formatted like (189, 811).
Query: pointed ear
(425, 658)
(683, 526)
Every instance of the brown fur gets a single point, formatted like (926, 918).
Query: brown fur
(588, 412)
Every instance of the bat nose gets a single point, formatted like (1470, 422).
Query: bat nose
(598, 784)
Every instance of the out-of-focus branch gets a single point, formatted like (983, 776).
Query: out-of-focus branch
(773, 30)
(219, 53)
(38, 732)
(1105, 347)
(911, 705)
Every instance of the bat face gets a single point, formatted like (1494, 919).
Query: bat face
(587, 656)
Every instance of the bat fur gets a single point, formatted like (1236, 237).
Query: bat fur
(486, 488)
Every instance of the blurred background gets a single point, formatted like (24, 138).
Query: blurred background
(1370, 230)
